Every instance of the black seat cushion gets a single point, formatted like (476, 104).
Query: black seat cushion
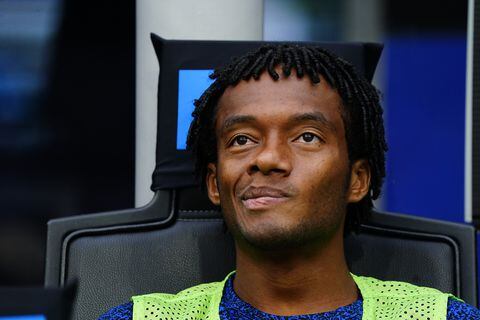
(195, 248)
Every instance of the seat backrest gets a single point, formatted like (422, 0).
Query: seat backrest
(179, 239)
(168, 246)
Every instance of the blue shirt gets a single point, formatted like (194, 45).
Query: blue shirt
(232, 307)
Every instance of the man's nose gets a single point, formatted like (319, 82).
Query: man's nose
(274, 156)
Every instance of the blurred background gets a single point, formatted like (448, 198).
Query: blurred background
(67, 107)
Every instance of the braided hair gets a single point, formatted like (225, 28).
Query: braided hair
(361, 111)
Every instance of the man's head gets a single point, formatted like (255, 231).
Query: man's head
(288, 139)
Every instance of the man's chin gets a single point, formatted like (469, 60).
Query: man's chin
(268, 236)
(269, 244)
(273, 240)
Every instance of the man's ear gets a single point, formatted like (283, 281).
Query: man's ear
(212, 186)
(359, 181)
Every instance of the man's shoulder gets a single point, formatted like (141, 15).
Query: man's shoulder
(204, 294)
(204, 289)
(121, 312)
(396, 298)
(458, 310)
(202, 300)
(125, 311)
(374, 287)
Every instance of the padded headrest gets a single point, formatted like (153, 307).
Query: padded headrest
(174, 167)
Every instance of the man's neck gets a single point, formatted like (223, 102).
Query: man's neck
(296, 281)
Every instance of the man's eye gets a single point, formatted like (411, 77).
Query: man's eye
(241, 141)
(308, 137)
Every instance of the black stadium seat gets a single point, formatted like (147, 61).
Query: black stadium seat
(179, 239)
(168, 246)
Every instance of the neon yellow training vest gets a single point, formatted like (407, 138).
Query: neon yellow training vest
(381, 300)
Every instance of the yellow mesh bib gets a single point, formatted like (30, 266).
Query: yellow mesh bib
(400, 300)
(199, 302)
(381, 300)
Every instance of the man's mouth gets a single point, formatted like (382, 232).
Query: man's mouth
(262, 202)
(258, 198)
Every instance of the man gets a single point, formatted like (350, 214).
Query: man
(289, 141)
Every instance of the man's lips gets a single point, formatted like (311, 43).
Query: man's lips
(262, 202)
(257, 198)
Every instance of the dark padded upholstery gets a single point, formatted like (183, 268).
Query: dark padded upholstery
(166, 246)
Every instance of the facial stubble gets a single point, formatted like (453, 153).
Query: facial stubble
(315, 228)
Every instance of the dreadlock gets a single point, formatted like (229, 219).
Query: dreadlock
(361, 112)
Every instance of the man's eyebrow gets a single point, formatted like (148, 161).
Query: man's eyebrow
(315, 117)
(233, 120)
(295, 119)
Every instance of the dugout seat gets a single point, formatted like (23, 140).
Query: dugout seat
(179, 239)
(176, 242)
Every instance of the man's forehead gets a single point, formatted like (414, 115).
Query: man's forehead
(287, 90)
(287, 102)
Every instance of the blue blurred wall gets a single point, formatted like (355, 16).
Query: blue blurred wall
(425, 120)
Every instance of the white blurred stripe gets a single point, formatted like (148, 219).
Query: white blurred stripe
(468, 114)
(178, 19)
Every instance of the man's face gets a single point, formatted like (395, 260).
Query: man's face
(282, 175)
